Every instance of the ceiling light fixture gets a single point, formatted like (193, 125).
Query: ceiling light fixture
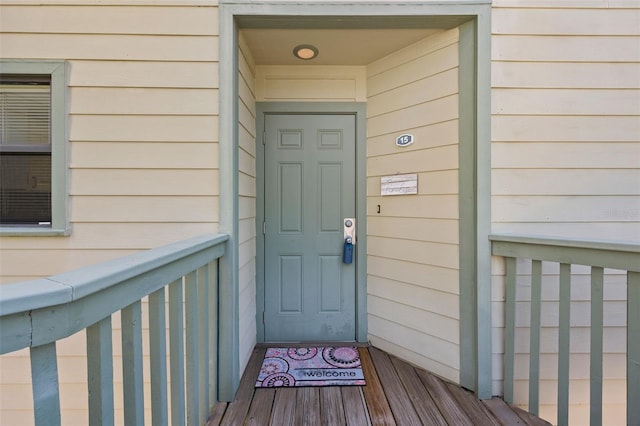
(305, 52)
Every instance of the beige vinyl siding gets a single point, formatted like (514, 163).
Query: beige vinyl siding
(310, 83)
(247, 193)
(142, 103)
(566, 163)
(413, 253)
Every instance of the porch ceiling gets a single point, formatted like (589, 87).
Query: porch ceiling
(336, 46)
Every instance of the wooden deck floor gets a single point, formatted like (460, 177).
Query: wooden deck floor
(396, 394)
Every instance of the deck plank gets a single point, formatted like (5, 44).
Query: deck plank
(377, 404)
(284, 407)
(503, 412)
(477, 412)
(217, 412)
(444, 400)
(261, 406)
(355, 410)
(529, 418)
(238, 409)
(399, 401)
(331, 407)
(307, 407)
(424, 405)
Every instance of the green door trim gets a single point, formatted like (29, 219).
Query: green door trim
(358, 110)
(473, 17)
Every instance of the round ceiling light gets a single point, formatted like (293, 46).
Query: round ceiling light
(305, 52)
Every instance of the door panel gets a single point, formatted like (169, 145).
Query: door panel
(309, 189)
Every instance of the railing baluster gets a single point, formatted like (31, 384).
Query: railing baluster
(193, 386)
(595, 374)
(44, 382)
(176, 360)
(510, 327)
(203, 341)
(564, 329)
(100, 372)
(158, 357)
(133, 390)
(534, 338)
(633, 347)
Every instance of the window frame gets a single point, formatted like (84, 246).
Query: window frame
(57, 70)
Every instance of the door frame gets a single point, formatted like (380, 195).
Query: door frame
(473, 18)
(358, 110)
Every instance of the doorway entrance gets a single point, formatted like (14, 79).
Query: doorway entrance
(309, 187)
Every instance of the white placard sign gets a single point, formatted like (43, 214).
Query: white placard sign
(399, 185)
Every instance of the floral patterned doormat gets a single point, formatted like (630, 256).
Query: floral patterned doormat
(316, 366)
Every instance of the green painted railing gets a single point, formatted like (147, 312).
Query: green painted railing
(36, 314)
(597, 255)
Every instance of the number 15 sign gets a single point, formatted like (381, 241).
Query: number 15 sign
(404, 140)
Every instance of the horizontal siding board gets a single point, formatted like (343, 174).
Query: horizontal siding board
(408, 54)
(144, 209)
(435, 278)
(436, 254)
(100, 19)
(110, 47)
(443, 352)
(427, 206)
(568, 21)
(420, 301)
(418, 68)
(567, 75)
(565, 49)
(565, 102)
(419, 229)
(440, 158)
(144, 182)
(565, 182)
(565, 208)
(436, 111)
(114, 236)
(434, 87)
(417, 358)
(531, 155)
(51, 262)
(426, 136)
(144, 74)
(565, 128)
(144, 155)
(132, 101)
(414, 318)
(154, 128)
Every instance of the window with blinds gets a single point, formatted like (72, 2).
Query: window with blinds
(25, 150)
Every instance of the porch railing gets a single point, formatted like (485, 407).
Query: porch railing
(182, 276)
(597, 255)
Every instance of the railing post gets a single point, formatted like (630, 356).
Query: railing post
(633, 347)
(100, 372)
(46, 392)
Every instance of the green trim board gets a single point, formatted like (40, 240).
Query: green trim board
(59, 148)
(473, 18)
(358, 110)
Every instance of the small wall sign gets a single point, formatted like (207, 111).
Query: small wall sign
(399, 185)
(404, 140)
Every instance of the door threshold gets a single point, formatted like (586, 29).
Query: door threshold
(310, 344)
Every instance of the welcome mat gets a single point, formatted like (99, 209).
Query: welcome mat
(316, 366)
